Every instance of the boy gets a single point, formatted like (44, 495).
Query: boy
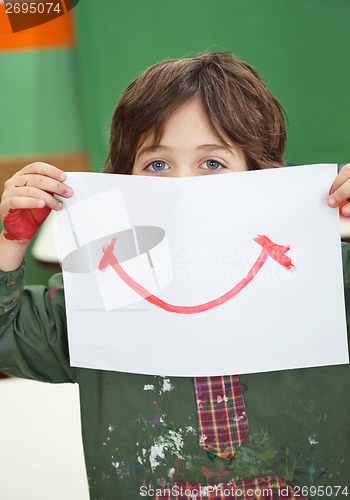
(144, 435)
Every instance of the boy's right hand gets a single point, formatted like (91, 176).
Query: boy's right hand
(28, 198)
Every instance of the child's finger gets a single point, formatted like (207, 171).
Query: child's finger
(43, 169)
(22, 194)
(345, 209)
(22, 203)
(339, 195)
(43, 183)
(340, 190)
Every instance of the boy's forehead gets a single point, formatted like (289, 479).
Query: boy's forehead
(187, 126)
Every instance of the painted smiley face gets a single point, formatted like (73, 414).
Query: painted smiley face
(269, 249)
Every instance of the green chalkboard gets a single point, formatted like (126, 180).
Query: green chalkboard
(300, 47)
(39, 103)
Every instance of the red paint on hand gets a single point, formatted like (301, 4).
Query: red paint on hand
(341, 206)
(22, 224)
(269, 249)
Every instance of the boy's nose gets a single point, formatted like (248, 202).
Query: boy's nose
(183, 170)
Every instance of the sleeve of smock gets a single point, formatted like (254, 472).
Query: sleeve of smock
(346, 275)
(33, 329)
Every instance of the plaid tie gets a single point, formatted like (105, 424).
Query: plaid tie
(222, 417)
(263, 488)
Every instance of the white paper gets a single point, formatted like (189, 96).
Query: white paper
(185, 242)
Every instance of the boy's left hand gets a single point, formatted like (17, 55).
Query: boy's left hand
(340, 191)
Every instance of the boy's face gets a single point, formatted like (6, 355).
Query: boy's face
(188, 147)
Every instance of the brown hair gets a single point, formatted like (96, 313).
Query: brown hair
(236, 102)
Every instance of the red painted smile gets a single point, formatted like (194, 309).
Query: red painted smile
(269, 249)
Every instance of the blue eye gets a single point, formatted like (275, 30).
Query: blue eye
(157, 166)
(212, 165)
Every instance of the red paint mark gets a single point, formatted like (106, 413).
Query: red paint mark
(269, 249)
(22, 224)
(277, 252)
(52, 293)
(208, 473)
(341, 206)
(177, 465)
